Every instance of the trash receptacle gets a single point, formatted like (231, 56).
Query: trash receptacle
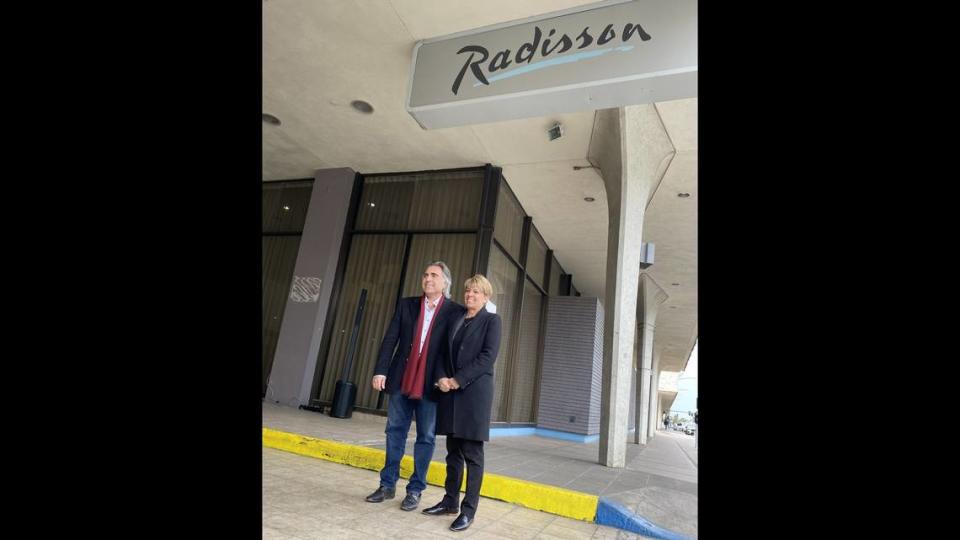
(343, 398)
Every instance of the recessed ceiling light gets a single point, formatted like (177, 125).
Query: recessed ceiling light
(285, 207)
(683, 195)
(362, 106)
(270, 119)
(373, 204)
(589, 199)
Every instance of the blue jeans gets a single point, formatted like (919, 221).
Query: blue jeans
(400, 413)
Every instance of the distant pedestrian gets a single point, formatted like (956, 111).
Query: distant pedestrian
(696, 434)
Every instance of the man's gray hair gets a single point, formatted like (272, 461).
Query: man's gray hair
(446, 276)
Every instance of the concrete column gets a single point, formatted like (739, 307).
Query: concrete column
(659, 405)
(654, 395)
(298, 344)
(631, 149)
(651, 296)
(638, 366)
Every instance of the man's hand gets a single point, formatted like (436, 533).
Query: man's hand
(379, 382)
(454, 385)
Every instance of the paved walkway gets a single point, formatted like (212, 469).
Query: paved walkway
(307, 498)
(658, 483)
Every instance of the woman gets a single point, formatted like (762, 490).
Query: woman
(465, 376)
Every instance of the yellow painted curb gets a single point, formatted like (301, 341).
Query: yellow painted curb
(543, 497)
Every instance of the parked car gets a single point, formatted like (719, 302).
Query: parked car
(690, 428)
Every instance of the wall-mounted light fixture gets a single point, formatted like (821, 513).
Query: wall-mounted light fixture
(646, 254)
(555, 132)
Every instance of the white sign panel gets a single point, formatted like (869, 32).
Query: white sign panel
(305, 289)
(598, 56)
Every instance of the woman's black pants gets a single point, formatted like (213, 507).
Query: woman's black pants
(460, 451)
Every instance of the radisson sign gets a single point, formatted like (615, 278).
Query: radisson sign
(597, 56)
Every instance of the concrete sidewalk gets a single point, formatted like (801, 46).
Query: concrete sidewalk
(307, 498)
(659, 482)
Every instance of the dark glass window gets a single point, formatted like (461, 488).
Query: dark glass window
(284, 213)
(537, 258)
(437, 200)
(454, 249)
(374, 264)
(523, 381)
(555, 273)
(503, 278)
(406, 221)
(508, 223)
(389, 262)
(285, 206)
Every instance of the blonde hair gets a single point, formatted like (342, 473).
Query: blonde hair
(480, 282)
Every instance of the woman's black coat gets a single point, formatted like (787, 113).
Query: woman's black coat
(465, 413)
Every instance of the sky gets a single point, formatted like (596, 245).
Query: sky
(687, 387)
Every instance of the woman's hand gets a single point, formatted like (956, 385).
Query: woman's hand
(447, 384)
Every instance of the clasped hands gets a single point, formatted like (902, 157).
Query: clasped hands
(447, 384)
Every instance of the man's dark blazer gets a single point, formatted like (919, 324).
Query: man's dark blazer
(397, 342)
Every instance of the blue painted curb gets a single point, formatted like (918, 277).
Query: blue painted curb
(614, 514)
(512, 432)
(542, 432)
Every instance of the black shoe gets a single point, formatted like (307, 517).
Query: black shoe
(381, 494)
(462, 522)
(410, 502)
(439, 509)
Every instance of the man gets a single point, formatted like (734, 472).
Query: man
(410, 349)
